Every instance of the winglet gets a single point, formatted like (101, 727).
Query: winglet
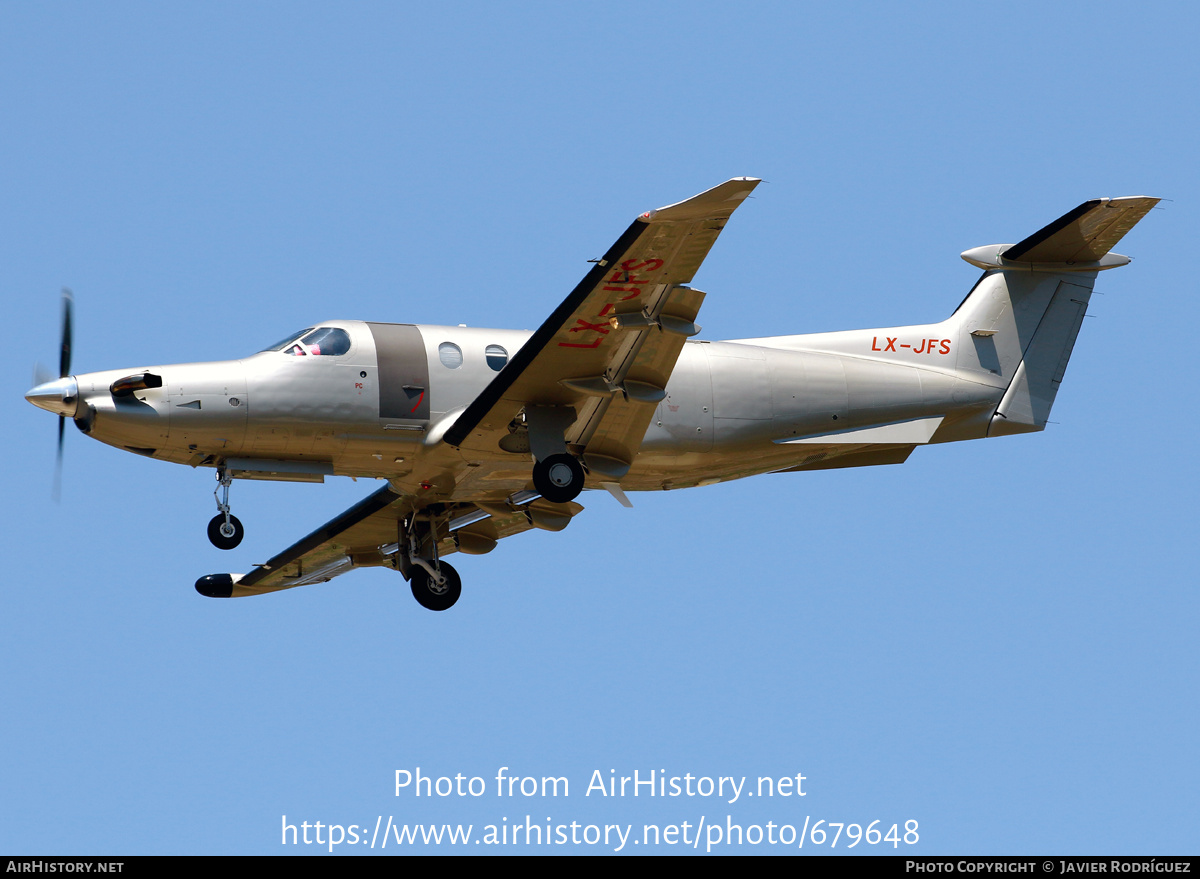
(720, 201)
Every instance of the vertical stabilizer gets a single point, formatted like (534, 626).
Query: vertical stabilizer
(1018, 326)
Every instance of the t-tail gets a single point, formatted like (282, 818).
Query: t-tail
(1018, 325)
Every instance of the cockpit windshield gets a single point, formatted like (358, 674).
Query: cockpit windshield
(319, 341)
(283, 343)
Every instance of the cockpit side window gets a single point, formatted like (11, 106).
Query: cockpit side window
(323, 341)
(332, 341)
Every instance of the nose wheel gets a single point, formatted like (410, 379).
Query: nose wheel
(224, 531)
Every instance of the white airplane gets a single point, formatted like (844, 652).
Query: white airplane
(482, 434)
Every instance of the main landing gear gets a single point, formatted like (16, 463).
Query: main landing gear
(224, 531)
(436, 591)
(435, 584)
(557, 475)
(559, 478)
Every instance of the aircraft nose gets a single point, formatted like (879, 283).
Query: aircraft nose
(59, 396)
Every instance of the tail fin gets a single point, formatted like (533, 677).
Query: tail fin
(1018, 325)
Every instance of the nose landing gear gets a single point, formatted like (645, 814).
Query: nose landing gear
(224, 531)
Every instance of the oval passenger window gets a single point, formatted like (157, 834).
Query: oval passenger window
(496, 357)
(450, 355)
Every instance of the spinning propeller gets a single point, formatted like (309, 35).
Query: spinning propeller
(60, 395)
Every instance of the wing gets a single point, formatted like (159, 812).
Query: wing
(604, 356)
(369, 535)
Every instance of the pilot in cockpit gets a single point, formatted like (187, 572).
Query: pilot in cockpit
(322, 341)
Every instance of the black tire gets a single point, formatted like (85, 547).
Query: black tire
(423, 591)
(223, 541)
(559, 478)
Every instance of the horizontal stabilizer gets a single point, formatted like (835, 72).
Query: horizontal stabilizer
(1085, 234)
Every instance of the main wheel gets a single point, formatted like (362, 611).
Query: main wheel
(559, 478)
(225, 536)
(434, 597)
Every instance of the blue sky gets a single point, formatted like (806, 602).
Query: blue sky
(995, 640)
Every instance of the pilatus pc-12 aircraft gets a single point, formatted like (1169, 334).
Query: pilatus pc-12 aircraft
(482, 434)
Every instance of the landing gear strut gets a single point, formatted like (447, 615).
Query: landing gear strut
(224, 531)
(559, 478)
(435, 584)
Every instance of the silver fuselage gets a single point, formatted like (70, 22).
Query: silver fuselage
(732, 409)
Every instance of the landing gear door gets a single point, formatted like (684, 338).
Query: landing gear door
(403, 372)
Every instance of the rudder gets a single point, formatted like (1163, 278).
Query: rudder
(1026, 404)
